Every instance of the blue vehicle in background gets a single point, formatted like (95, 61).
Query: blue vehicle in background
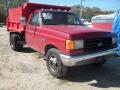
(116, 29)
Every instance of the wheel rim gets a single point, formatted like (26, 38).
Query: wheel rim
(53, 64)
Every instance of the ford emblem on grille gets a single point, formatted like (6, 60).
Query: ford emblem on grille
(100, 44)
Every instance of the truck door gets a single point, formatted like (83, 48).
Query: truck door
(31, 30)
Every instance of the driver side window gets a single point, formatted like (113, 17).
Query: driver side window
(72, 20)
(34, 21)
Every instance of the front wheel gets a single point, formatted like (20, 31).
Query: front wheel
(54, 63)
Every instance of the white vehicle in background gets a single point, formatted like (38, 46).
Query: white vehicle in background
(86, 23)
(103, 22)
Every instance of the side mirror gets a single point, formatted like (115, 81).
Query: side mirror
(23, 21)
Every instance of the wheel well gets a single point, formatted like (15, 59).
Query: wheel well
(20, 35)
(49, 47)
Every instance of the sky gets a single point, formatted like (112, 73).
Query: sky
(103, 4)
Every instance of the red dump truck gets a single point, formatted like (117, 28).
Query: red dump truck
(59, 35)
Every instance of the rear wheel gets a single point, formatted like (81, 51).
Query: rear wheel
(14, 42)
(100, 61)
(54, 63)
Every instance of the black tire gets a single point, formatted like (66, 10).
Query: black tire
(14, 38)
(56, 67)
(100, 61)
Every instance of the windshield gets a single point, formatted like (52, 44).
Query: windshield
(60, 18)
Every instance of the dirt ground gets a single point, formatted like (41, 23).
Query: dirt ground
(27, 71)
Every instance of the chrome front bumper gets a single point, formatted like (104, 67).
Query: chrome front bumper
(75, 60)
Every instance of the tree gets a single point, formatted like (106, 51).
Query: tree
(17, 3)
(4, 7)
(89, 12)
(2, 14)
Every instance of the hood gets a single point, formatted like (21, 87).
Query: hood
(77, 32)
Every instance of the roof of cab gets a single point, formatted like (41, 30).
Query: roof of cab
(44, 6)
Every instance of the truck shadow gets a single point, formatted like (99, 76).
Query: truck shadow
(104, 77)
(27, 50)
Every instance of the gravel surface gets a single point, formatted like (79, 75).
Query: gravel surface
(27, 71)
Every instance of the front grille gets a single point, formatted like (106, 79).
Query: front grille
(98, 43)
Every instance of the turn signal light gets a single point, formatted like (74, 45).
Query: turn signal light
(69, 44)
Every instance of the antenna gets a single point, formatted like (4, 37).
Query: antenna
(81, 7)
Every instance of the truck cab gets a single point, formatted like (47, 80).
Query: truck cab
(60, 36)
(47, 21)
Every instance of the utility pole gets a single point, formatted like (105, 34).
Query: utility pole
(81, 7)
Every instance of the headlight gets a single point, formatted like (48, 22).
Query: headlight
(114, 40)
(74, 44)
(78, 44)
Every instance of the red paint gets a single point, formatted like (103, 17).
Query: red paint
(103, 26)
(38, 37)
